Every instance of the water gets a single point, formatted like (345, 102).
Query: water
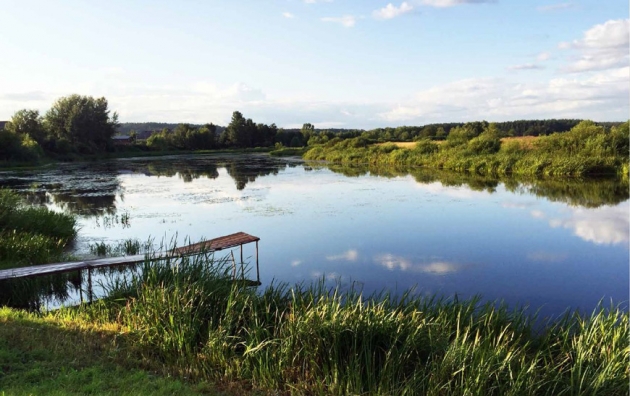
(551, 245)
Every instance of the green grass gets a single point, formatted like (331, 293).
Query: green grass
(56, 356)
(586, 150)
(198, 324)
(288, 151)
(31, 235)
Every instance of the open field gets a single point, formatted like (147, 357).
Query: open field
(526, 142)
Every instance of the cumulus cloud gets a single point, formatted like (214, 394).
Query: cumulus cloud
(451, 3)
(602, 226)
(555, 7)
(346, 20)
(599, 95)
(526, 66)
(391, 11)
(543, 56)
(602, 47)
(349, 255)
(393, 262)
(288, 15)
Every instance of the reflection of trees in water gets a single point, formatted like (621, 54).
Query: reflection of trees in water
(91, 189)
(243, 169)
(590, 193)
(33, 293)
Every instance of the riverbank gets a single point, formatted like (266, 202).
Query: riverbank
(586, 150)
(191, 322)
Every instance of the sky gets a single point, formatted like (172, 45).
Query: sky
(333, 63)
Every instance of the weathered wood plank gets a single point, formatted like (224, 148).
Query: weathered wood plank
(228, 241)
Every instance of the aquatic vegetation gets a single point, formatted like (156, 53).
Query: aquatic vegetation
(129, 247)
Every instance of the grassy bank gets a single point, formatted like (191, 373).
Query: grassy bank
(586, 150)
(189, 319)
(31, 235)
(57, 355)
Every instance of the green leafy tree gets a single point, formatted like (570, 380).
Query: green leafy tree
(27, 122)
(308, 130)
(83, 122)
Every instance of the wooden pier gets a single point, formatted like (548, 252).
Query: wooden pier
(212, 245)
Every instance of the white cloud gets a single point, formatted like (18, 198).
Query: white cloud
(538, 214)
(349, 255)
(451, 3)
(393, 262)
(346, 20)
(600, 95)
(603, 226)
(602, 47)
(391, 11)
(543, 56)
(288, 15)
(296, 263)
(317, 1)
(527, 66)
(555, 7)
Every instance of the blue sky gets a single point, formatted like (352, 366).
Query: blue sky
(335, 63)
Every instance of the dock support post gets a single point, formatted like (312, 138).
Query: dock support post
(242, 264)
(257, 269)
(234, 268)
(81, 285)
(90, 290)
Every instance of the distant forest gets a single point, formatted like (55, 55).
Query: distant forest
(436, 131)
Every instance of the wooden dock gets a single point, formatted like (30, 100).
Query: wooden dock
(212, 245)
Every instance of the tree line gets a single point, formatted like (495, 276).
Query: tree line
(74, 124)
(82, 125)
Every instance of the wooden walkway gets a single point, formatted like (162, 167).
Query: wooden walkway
(212, 245)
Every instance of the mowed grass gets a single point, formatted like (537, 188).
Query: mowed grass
(53, 355)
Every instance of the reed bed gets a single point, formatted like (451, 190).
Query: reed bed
(189, 315)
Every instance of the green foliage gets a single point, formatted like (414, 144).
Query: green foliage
(16, 147)
(82, 122)
(27, 122)
(31, 235)
(588, 149)
(184, 137)
(190, 316)
(426, 147)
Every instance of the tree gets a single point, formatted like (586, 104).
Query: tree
(236, 131)
(84, 123)
(27, 122)
(308, 130)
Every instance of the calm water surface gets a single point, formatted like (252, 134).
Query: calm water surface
(553, 245)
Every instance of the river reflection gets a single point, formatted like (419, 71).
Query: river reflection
(550, 244)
